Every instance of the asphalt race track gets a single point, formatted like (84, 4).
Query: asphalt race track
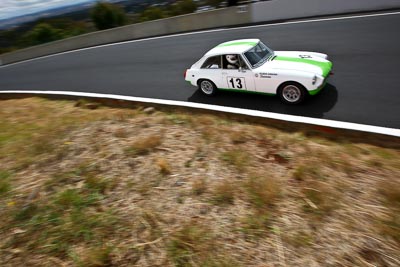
(364, 89)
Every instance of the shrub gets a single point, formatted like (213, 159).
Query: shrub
(107, 15)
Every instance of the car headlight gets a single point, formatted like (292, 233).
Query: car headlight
(314, 79)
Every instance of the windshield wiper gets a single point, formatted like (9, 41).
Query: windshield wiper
(262, 61)
(271, 57)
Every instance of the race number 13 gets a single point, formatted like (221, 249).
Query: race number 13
(236, 83)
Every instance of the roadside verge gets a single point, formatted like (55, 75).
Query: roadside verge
(328, 127)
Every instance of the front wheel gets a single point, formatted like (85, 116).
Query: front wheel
(292, 93)
(207, 87)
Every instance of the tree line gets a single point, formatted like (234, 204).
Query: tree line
(103, 16)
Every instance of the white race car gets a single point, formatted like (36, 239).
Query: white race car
(248, 65)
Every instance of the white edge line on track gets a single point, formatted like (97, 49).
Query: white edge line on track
(208, 31)
(248, 112)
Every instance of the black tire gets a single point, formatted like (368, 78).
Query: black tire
(207, 87)
(292, 93)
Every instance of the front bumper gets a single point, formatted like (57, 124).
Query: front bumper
(316, 91)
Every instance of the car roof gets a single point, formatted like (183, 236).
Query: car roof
(233, 47)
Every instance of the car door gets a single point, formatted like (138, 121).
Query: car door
(237, 76)
(267, 79)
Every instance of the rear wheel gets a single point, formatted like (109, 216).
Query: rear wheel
(207, 87)
(292, 93)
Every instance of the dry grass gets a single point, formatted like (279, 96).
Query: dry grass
(390, 224)
(5, 185)
(95, 257)
(237, 158)
(66, 218)
(238, 137)
(186, 189)
(307, 172)
(192, 243)
(256, 224)
(262, 191)
(224, 192)
(199, 186)
(319, 198)
(390, 191)
(144, 146)
(164, 166)
(121, 133)
(210, 133)
(300, 239)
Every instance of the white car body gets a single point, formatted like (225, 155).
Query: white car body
(308, 70)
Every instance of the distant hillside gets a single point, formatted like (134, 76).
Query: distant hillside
(75, 12)
(64, 22)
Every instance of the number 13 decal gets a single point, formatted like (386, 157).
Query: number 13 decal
(236, 83)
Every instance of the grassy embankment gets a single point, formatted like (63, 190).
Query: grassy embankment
(135, 187)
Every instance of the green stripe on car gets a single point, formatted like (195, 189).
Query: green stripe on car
(238, 43)
(245, 91)
(324, 66)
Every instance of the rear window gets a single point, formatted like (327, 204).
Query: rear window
(212, 63)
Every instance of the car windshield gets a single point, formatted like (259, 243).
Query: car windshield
(258, 54)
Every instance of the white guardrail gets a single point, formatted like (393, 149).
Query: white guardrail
(246, 14)
(240, 111)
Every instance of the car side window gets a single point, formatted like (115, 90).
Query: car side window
(212, 63)
(242, 63)
(233, 62)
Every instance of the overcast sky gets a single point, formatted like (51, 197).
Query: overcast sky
(14, 8)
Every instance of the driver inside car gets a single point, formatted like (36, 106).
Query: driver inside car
(233, 62)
